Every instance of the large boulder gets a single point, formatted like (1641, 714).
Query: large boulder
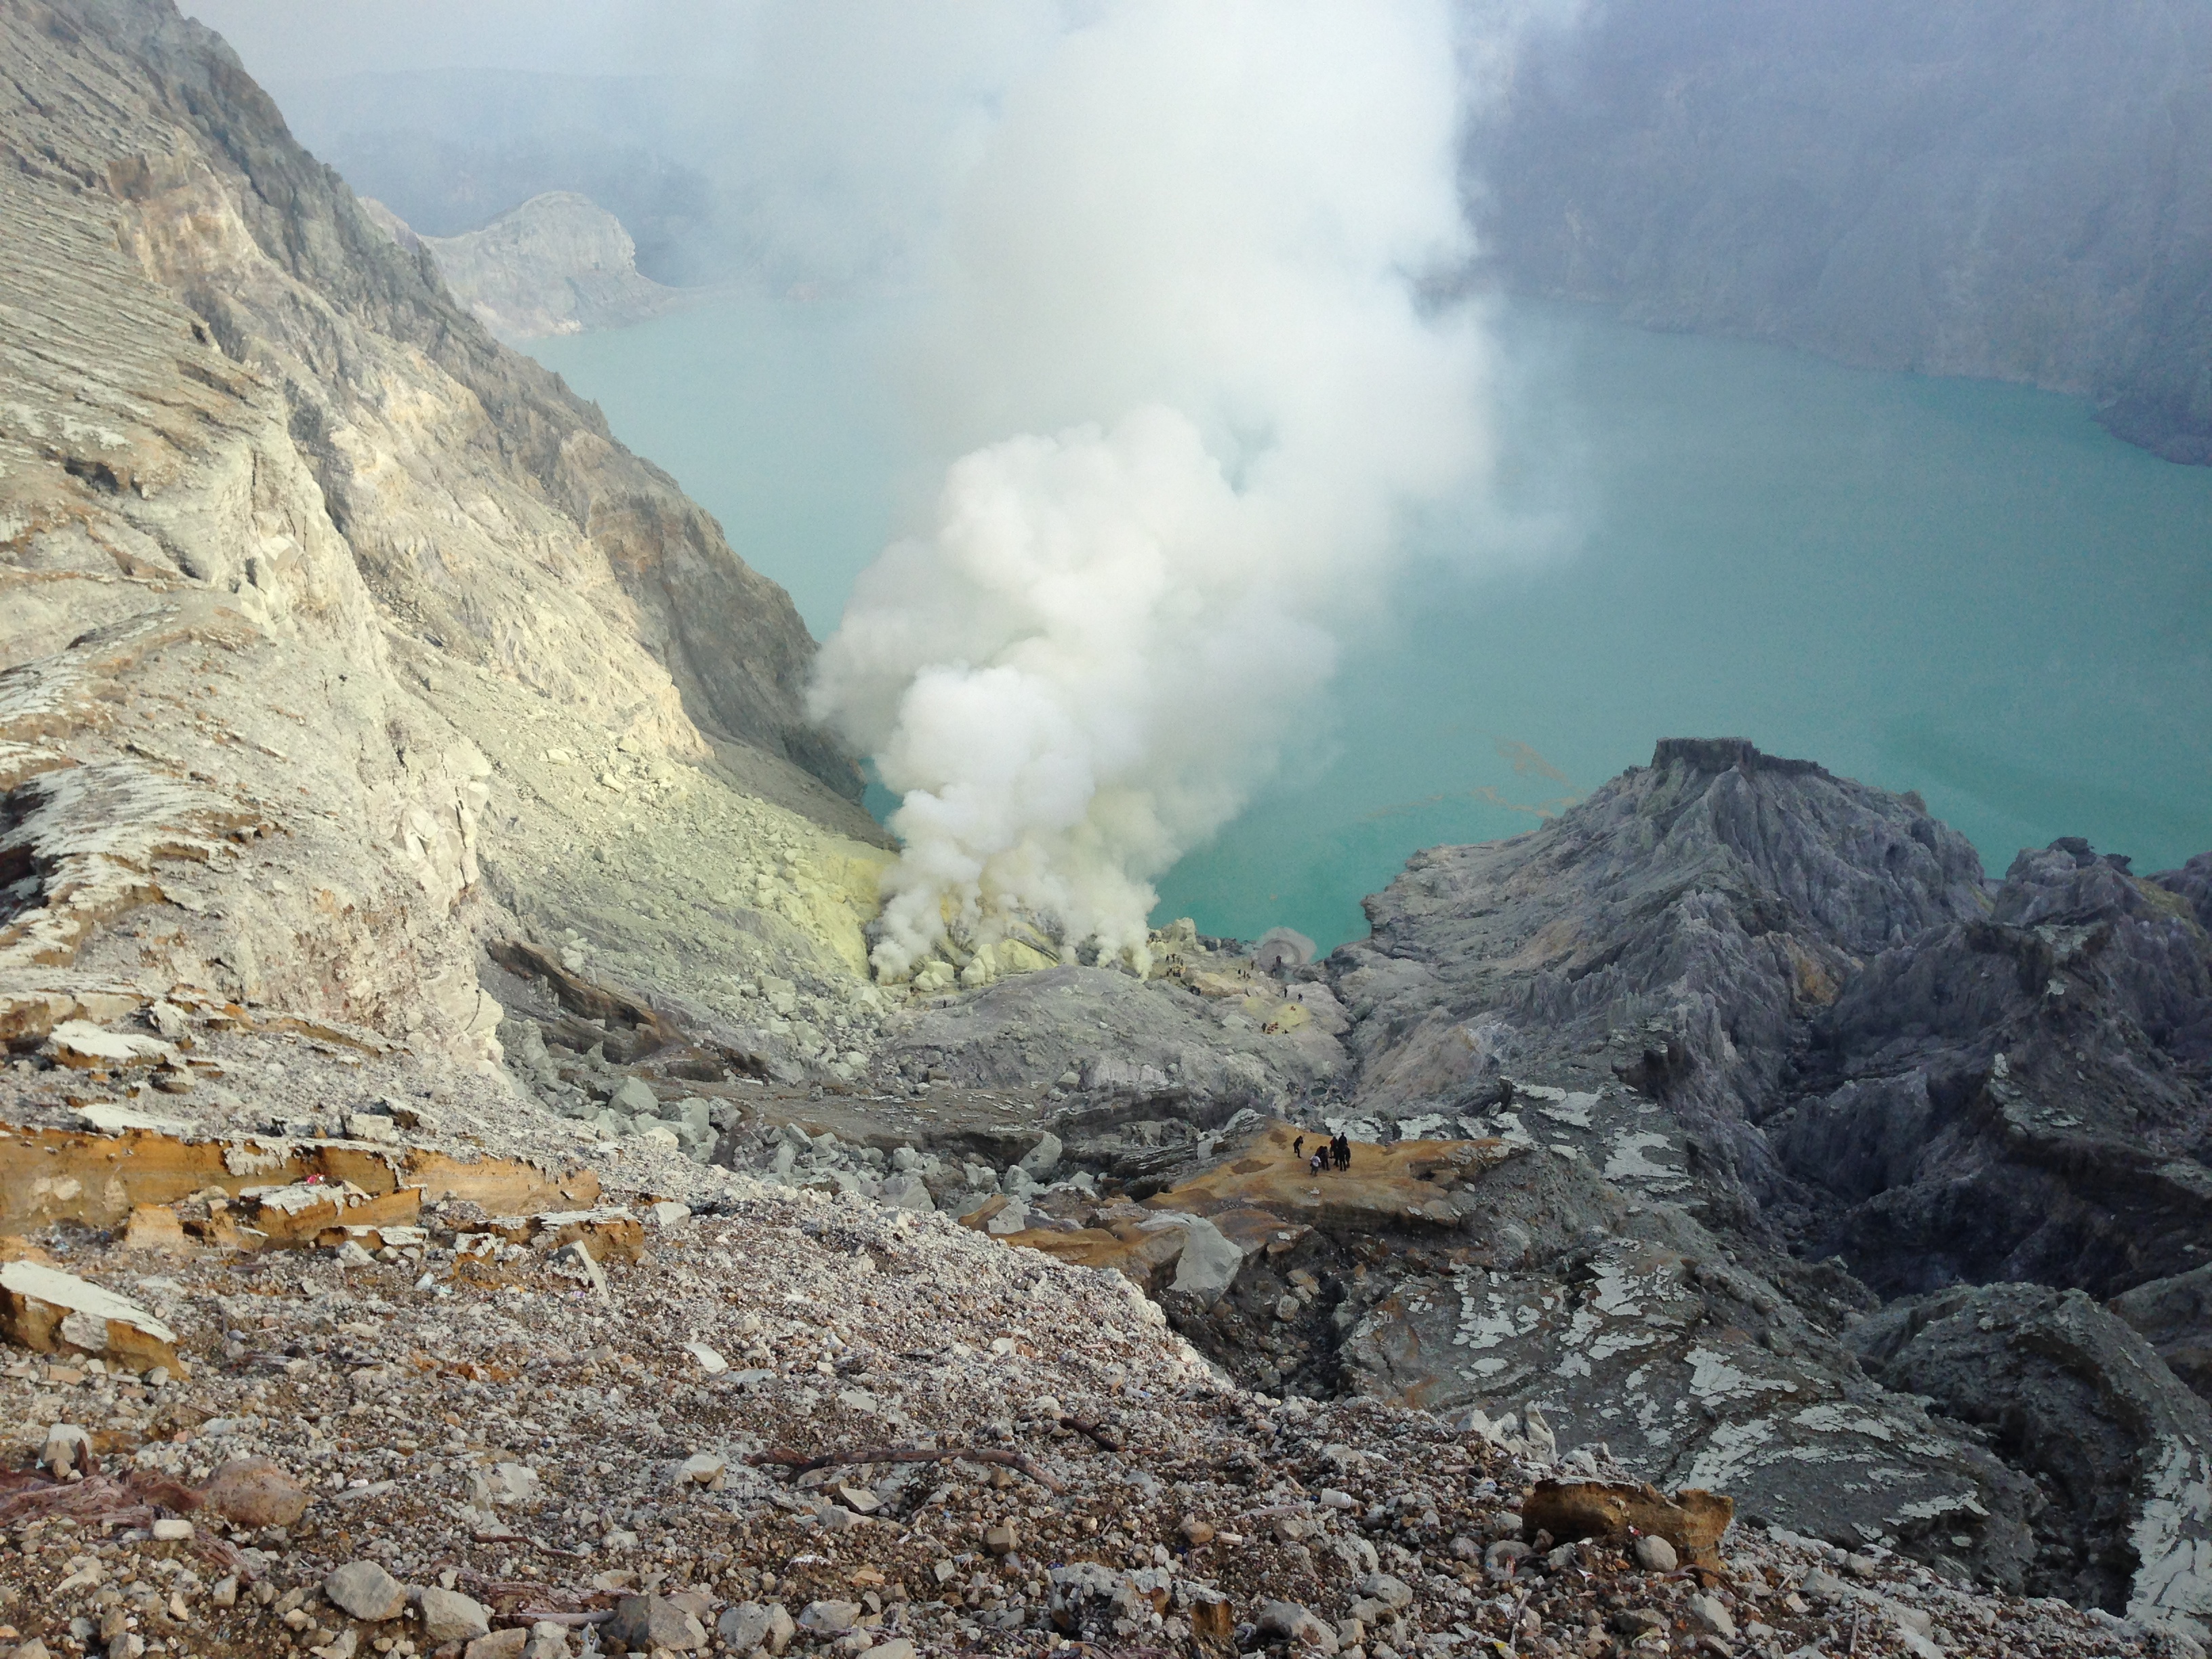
(1209, 1263)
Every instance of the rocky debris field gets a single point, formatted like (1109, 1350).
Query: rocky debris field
(461, 1191)
(791, 1421)
(1498, 1281)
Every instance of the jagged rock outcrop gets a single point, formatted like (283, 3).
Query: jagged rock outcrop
(320, 603)
(1629, 981)
(2018, 189)
(559, 263)
(1644, 1338)
(1791, 1045)
(1790, 999)
(2027, 1096)
(2121, 1451)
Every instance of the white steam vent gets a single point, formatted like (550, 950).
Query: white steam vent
(1182, 326)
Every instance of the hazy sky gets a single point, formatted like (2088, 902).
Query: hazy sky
(287, 39)
(282, 41)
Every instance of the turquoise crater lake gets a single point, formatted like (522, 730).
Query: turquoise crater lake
(1954, 586)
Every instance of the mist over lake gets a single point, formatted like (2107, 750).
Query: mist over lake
(1961, 587)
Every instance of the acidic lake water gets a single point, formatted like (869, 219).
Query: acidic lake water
(1954, 586)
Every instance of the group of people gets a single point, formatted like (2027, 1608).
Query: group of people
(1334, 1153)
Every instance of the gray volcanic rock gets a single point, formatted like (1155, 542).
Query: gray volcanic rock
(1787, 1034)
(2174, 1315)
(2192, 885)
(1689, 1370)
(1789, 1001)
(2017, 190)
(2024, 1096)
(2119, 1448)
(1631, 981)
(1125, 1039)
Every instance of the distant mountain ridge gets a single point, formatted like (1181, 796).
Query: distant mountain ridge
(559, 263)
(450, 150)
(2019, 190)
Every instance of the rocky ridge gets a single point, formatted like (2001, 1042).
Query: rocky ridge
(558, 264)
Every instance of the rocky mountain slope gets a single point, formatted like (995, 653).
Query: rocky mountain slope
(887, 1437)
(442, 1064)
(311, 585)
(2007, 189)
(1859, 1045)
(559, 263)
(1787, 1010)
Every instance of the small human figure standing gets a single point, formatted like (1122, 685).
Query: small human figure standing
(1298, 1148)
(1340, 1152)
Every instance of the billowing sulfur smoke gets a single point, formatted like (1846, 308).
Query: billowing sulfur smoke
(1183, 272)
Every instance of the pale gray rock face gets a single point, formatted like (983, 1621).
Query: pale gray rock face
(2016, 190)
(2120, 1450)
(310, 585)
(1691, 1371)
(1141, 1049)
(558, 264)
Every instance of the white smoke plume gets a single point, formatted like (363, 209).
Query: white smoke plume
(1183, 339)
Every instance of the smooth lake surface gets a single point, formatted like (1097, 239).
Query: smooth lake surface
(1954, 587)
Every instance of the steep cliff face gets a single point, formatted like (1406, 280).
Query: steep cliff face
(2019, 191)
(2117, 1446)
(315, 595)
